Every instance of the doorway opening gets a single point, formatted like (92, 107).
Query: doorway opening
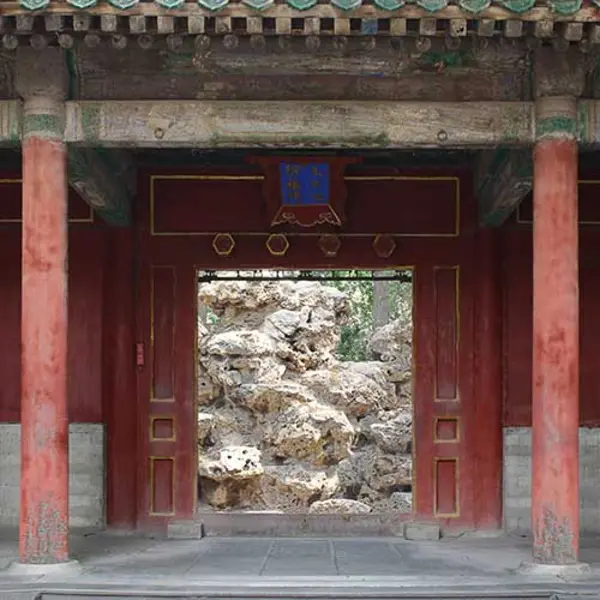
(305, 391)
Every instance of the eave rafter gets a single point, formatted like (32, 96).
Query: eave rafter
(560, 20)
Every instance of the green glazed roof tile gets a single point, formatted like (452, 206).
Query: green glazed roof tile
(565, 7)
(517, 6)
(560, 8)
(474, 6)
(346, 4)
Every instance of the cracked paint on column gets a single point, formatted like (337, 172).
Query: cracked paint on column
(555, 431)
(44, 418)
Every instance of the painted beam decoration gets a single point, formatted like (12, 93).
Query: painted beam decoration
(304, 191)
(102, 184)
(559, 7)
(504, 178)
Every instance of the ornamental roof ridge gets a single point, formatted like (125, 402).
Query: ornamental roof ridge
(328, 8)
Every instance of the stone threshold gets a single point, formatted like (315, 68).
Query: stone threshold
(273, 524)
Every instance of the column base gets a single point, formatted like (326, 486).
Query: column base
(71, 568)
(571, 571)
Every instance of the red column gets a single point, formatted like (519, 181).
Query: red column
(44, 419)
(555, 439)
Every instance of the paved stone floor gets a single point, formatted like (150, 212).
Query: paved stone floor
(334, 567)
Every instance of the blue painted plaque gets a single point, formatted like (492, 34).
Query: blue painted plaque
(304, 184)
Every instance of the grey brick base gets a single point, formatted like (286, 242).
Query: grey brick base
(86, 474)
(517, 479)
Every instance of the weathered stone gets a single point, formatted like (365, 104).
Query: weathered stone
(312, 433)
(232, 493)
(207, 391)
(234, 426)
(284, 323)
(395, 436)
(401, 501)
(339, 506)
(422, 531)
(393, 342)
(316, 428)
(352, 391)
(267, 398)
(233, 462)
(384, 473)
(205, 425)
(295, 488)
(229, 373)
(376, 371)
(239, 343)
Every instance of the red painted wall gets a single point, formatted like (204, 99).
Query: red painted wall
(456, 412)
(86, 283)
(517, 352)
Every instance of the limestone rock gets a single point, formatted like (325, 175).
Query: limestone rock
(312, 433)
(352, 391)
(339, 506)
(233, 426)
(294, 488)
(376, 371)
(394, 436)
(207, 391)
(229, 493)
(401, 501)
(233, 462)
(384, 473)
(284, 323)
(271, 397)
(393, 342)
(205, 425)
(284, 425)
(239, 343)
(229, 373)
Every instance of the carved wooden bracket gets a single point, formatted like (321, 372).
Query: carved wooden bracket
(103, 182)
(503, 179)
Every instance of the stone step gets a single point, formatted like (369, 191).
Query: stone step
(209, 524)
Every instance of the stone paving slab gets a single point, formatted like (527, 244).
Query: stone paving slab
(125, 566)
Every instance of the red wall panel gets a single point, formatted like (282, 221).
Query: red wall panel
(518, 273)
(86, 266)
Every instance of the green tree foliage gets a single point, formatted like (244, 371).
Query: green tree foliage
(356, 333)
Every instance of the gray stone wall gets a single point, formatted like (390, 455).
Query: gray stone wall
(517, 479)
(86, 474)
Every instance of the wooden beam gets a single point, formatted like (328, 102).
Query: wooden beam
(299, 124)
(503, 179)
(102, 183)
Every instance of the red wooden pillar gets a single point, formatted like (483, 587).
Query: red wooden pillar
(44, 420)
(555, 434)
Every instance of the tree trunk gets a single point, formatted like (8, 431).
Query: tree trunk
(381, 303)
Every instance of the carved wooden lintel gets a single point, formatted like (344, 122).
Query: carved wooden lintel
(101, 183)
(503, 179)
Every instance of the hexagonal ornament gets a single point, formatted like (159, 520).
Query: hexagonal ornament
(277, 244)
(384, 245)
(330, 245)
(223, 244)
